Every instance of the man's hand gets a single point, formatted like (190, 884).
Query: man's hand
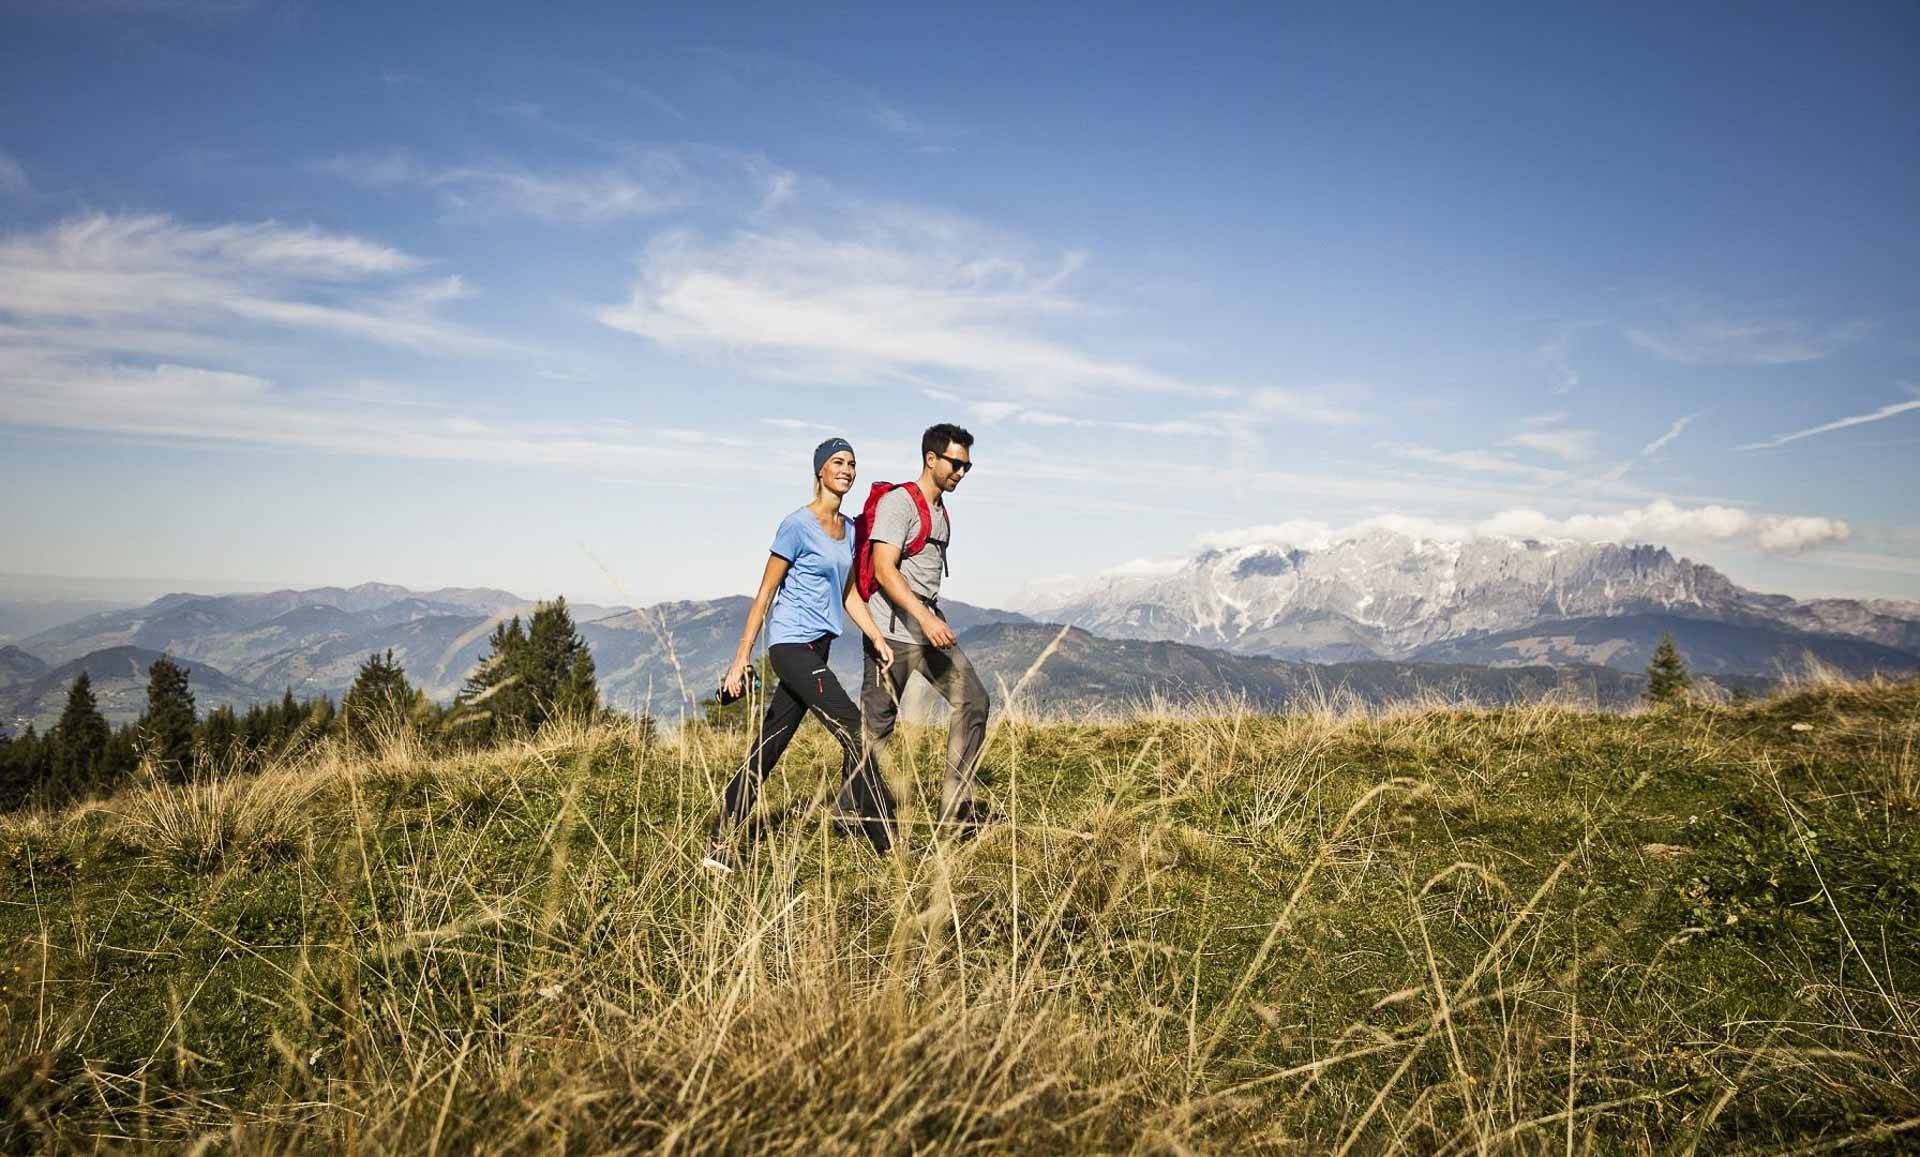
(882, 650)
(938, 633)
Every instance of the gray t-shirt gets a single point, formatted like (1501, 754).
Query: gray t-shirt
(897, 520)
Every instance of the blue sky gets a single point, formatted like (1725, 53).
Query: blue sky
(559, 299)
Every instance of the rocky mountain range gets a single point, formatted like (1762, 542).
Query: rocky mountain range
(665, 658)
(1501, 602)
(1382, 615)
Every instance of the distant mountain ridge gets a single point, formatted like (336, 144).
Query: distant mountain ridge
(173, 623)
(662, 659)
(119, 677)
(1385, 618)
(1383, 595)
(17, 666)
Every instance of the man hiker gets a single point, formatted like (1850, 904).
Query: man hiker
(901, 556)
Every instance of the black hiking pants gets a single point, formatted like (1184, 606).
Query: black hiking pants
(805, 684)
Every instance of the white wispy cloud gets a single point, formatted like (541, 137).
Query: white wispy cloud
(1018, 413)
(896, 295)
(1743, 341)
(638, 183)
(799, 424)
(132, 326)
(1664, 522)
(1663, 441)
(1890, 410)
(1568, 445)
(1660, 522)
(59, 390)
(1621, 469)
(1475, 461)
(148, 284)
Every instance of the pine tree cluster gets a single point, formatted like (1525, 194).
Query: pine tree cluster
(532, 674)
(528, 676)
(84, 756)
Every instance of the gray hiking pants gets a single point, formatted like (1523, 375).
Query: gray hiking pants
(951, 674)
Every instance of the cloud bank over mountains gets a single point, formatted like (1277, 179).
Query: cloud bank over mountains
(1660, 523)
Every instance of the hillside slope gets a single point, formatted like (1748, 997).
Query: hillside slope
(1627, 643)
(1508, 931)
(119, 676)
(1086, 672)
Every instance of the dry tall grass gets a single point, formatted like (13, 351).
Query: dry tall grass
(1422, 930)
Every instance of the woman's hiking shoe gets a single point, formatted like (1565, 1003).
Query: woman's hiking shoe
(719, 858)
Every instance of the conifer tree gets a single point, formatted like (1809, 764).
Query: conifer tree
(380, 699)
(166, 730)
(219, 739)
(288, 719)
(494, 698)
(557, 667)
(11, 780)
(256, 732)
(1667, 677)
(24, 768)
(316, 720)
(123, 754)
(579, 696)
(80, 742)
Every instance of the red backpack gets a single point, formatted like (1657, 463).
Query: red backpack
(863, 576)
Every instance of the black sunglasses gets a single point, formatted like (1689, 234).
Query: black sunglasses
(960, 465)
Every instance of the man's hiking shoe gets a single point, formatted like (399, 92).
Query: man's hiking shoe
(719, 858)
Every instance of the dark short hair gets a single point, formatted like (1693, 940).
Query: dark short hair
(939, 437)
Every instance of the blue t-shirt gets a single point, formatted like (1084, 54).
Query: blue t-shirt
(810, 600)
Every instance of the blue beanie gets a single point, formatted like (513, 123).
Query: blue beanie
(828, 449)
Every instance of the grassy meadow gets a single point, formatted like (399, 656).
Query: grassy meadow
(1431, 930)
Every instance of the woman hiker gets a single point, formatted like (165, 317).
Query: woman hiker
(809, 585)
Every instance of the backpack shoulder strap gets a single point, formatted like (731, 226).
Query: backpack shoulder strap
(925, 532)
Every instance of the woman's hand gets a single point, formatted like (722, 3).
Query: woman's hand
(881, 648)
(734, 682)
